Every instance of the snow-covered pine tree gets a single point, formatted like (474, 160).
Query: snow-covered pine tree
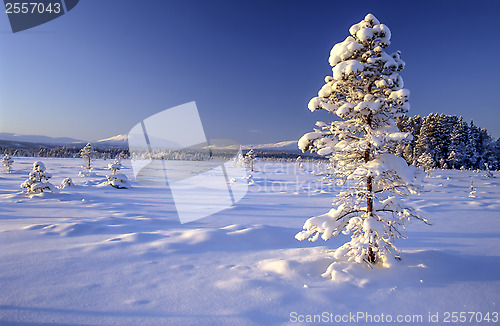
(426, 141)
(367, 93)
(250, 159)
(426, 162)
(37, 181)
(116, 166)
(472, 154)
(87, 153)
(458, 139)
(411, 125)
(7, 162)
(496, 154)
(445, 125)
(117, 180)
(485, 148)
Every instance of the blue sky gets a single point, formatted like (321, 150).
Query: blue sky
(251, 66)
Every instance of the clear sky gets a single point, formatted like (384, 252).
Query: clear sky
(251, 66)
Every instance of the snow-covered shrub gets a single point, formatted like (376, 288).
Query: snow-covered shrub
(250, 159)
(117, 180)
(87, 153)
(7, 162)
(37, 181)
(67, 182)
(366, 92)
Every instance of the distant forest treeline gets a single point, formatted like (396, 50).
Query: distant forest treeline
(447, 142)
(44, 150)
(439, 141)
(39, 150)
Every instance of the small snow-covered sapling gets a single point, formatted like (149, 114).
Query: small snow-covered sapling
(250, 159)
(37, 181)
(117, 180)
(472, 193)
(7, 162)
(87, 153)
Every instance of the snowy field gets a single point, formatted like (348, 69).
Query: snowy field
(92, 255)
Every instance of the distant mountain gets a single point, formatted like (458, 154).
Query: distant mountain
(120, 141)
(284, 146)
(38, 139)
(16, 140)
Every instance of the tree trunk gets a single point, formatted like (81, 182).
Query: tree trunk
(371, 255)
(369, 198)
(369, 179)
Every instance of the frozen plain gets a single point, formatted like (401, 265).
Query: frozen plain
(92, 255)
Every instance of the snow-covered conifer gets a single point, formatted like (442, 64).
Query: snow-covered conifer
(250, 159)
(117, 180)
(7, 162)
(115, 166)
(37, 181)
(472, 154)
(458, 139)
(87, 153)
(427, 138)
(425, 161)
(367, 93)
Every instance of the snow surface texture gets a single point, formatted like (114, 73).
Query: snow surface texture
(91, 255)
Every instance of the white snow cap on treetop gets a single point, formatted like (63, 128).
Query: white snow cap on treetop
(344, 50)
(367, 29)
(39, 166)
